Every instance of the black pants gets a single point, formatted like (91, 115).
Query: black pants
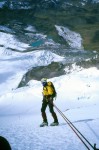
(48, 102)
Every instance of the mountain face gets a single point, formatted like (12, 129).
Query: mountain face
(63, 27)
(81, 16)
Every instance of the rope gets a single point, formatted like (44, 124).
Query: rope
(74, 129)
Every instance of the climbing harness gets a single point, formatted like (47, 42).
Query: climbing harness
(77, 132)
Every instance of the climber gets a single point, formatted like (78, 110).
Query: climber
(49, 93)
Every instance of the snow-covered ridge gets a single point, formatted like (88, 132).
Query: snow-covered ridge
(9, 41)
(72, 38)
(6, 29)
(16, 64)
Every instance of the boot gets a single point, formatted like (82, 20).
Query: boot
(44, 124)
(54, 124)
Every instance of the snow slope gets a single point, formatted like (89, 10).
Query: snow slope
(77, 99)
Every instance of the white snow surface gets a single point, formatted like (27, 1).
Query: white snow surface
(10, 41)
(77, 98)
(73, 39)
(30, 28)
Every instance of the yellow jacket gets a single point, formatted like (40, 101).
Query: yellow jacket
(48, 90)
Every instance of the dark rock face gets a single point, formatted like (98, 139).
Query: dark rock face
(50, 71)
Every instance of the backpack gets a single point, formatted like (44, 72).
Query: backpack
(52, 86)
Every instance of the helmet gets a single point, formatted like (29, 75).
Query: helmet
(44, 80)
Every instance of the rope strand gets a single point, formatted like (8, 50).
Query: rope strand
(74, 129)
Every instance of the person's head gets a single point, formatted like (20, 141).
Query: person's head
(4, 144)
(44, 81)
